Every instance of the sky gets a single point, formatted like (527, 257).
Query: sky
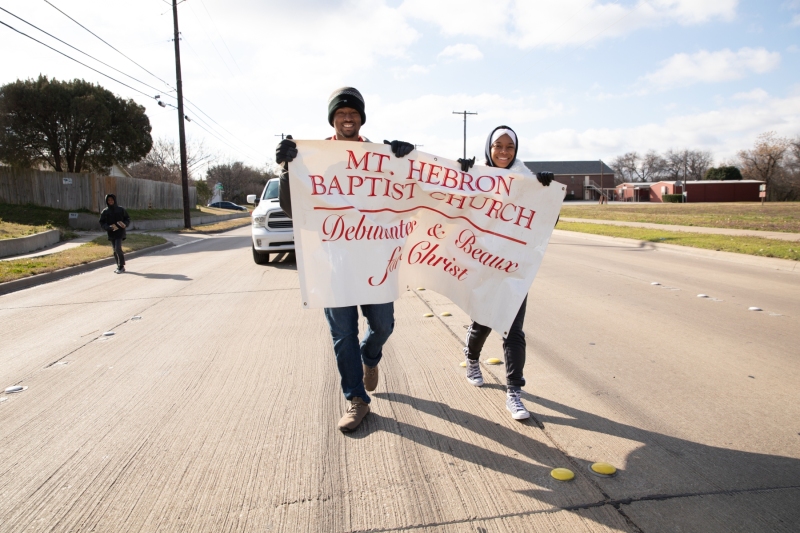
(576, 79)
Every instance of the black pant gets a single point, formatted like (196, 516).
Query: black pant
(513, 346)
(118, 255)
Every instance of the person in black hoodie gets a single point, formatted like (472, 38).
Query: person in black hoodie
(114, 219)
(501, 151)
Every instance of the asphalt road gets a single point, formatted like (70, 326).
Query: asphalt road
(216, 410)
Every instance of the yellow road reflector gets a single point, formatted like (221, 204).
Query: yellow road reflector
(562, 474)
(463, 364)
(447, 314)
(420, 288)
(428, 315)
(493, 361)
(604, 469)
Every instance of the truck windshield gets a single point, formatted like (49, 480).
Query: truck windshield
(271, 191)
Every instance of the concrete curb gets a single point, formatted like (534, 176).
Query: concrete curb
(40, 279)
(29, 243)
(771, 263)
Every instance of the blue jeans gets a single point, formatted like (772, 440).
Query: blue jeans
(343, 322)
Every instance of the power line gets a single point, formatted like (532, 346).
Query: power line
(75, 60)
(79, 50)
(108, 44)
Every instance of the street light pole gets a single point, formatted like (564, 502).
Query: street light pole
(187, 217)
(465, 113)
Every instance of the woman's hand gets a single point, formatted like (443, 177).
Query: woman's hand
(544, 178)
(466, 164)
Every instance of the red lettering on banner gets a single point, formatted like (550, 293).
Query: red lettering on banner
(466, 182)
(491, 186)
(425, 255)
(450, 178)
(335, 185)
(522, 215)
(335, 227)
(411, 170)
(314, 184)
(501, 184)
(431, 174)
(381, 157)
(352, 179)
(393, 261)
(436, 231)
(466, 241)
(502, 212)
(494, 209)
(372, 184)
(351, 158)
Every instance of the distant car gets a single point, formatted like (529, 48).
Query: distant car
(228, 205)
(272, 230)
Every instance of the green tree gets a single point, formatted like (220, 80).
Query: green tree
(204, 192)
(726, 173)
(72, 126)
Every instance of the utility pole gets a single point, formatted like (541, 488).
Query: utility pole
(282, 136)
(187, 217)
(685, 195)
(465, 113)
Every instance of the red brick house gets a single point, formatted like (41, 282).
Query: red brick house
(585, 180)
(697, 191)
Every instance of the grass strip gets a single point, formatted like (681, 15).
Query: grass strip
(10, 230)
(773, 216)
(724, 243)
(99, 248)
(217, 227)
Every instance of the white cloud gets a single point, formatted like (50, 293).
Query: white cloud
(461, 52)
(795, 21)
(756, 95)
(723, 131)
(530, 24)
(711, 67)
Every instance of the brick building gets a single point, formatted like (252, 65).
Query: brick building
(585, 180)
(697, 191)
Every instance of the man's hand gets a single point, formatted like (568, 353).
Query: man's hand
(113, 227)
(544, 178)
(400, 148)
(466, 164)
(121, 225)
(286, 150)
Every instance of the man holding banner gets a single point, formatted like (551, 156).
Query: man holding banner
(357, 363)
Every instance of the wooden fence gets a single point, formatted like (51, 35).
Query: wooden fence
(70, 191)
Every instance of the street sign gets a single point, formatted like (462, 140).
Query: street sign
(762, 187)
(66, 181)
(762, 194)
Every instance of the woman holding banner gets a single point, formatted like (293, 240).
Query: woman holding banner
(501, 152)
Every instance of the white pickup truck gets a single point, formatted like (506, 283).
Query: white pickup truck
(271, 229)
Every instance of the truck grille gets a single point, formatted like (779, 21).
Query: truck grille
(279, 220)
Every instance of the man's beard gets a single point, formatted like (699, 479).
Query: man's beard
(342, 135)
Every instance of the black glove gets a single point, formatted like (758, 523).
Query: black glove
(466, 164)
(400, 148)
(286, 150)
(544, 178)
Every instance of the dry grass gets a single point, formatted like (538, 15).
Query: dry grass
(725, 243)
(99, 248)
(218, 227)
(10, 230)
(774, 216)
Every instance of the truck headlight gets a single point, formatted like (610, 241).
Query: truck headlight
(259, 222)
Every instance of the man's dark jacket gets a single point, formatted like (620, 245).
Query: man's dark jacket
(111, 215)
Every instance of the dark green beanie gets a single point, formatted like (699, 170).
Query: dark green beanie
(346, 97)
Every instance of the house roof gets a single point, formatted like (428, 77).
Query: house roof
(569, 168)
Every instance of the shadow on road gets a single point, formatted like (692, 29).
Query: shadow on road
(177, 277)
(663, 467)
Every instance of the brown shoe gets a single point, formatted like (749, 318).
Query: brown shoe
(370, 377)
(356, 412)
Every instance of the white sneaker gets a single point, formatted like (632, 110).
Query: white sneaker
(514, 405)
(474, 374)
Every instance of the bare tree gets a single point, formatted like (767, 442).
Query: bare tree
(238, 180)
(634, 167)
(765, 162)
(694, 163)
(163, 162)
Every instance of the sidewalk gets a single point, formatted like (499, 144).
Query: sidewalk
(778, 235)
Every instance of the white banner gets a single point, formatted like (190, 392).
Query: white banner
(368, 225)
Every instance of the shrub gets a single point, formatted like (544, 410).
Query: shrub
(672, 198)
